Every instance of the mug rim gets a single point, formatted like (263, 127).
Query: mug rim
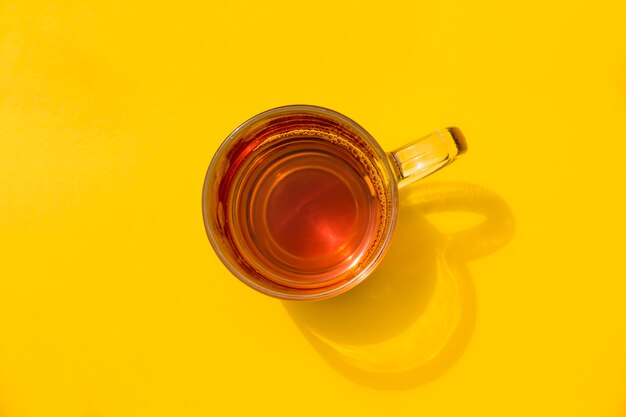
(300, 109)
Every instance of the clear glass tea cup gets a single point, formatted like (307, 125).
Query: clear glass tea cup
(300, 202)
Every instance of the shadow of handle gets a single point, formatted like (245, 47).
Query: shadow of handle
(475, 242)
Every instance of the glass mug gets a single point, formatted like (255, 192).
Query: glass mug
(300, 202)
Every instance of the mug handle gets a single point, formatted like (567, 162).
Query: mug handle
(426, 155)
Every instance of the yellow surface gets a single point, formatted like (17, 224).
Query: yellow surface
(112, 302)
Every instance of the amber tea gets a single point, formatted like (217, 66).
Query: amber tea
(305, 210)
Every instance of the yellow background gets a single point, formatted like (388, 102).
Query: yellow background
(112, 302)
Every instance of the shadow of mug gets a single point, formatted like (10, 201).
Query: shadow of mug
(413, 317)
